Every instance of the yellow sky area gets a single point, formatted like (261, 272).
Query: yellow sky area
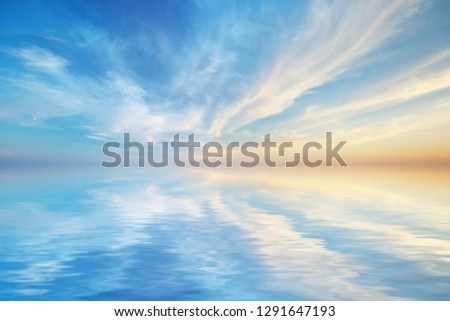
(414, 142)
(427, 148)
(424, 149)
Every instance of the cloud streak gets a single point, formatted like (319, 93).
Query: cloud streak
(40, 59)
(333, 39)
(245, 71)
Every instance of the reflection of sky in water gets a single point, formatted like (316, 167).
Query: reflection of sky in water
(195, 235)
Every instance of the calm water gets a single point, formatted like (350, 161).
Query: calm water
(75, 234)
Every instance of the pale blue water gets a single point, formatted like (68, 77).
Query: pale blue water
(76, 234)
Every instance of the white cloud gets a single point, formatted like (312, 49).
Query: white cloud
(207, 94)
(40, 59)
(333, 39)
(427, 77)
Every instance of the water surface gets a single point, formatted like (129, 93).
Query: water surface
(80, 234)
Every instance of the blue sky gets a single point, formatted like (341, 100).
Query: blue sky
(74, 74)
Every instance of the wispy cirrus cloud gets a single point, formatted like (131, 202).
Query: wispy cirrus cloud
(223, 76)
(332, 40)
(398, 95)
(40, 59)
(418, 80)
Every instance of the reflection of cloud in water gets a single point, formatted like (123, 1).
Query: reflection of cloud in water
(238, 236)
(300, 264)
(393, 222)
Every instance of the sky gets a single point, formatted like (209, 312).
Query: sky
(75, 74)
